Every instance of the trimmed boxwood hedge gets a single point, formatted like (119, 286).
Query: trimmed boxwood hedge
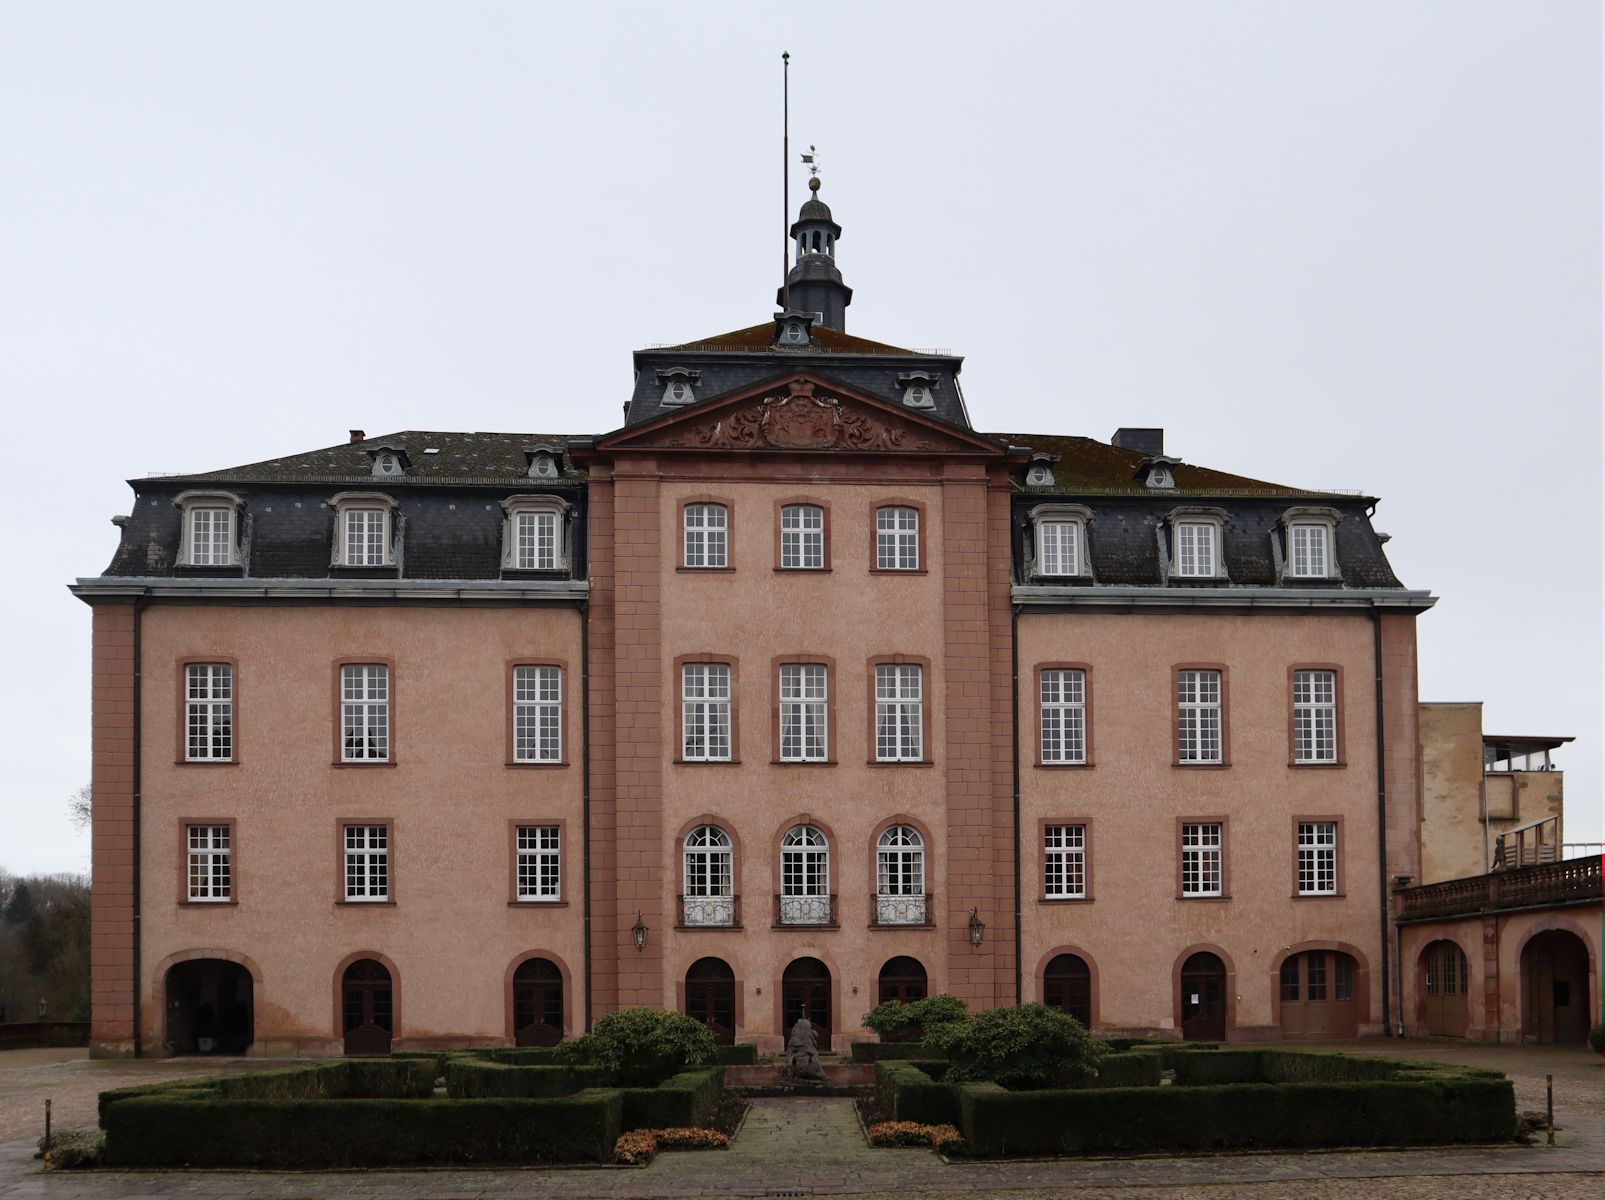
(470, 1079)
(686, 1099)
(869, 1052)
(913, 1091)
(1135, 1068)
(743, 1054)
(194, 1130)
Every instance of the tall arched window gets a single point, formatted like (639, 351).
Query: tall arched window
(805, 897)
(900, 877)
(709, 880)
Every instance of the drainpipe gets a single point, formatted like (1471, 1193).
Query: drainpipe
(1382, 820)
(1014, 715)
(585, 799)
(139, 688)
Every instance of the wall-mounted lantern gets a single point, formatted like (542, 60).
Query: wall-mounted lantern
(638, 932)
(977, 927)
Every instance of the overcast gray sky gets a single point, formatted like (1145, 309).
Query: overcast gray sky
(1347, 244)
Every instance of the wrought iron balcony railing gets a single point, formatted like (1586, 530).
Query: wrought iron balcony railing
(910, 909)
(710, 912)
(805, 910)
(1571, 881)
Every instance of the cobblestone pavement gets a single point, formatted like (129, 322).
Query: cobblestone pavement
(814, 1147)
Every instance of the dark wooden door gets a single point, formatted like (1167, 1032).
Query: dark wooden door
(710, 997)
(1318, 995)
(805, 989)
(1067, 986)
(1445, 990)
(366, 1006)
(1554, 977)
(903, 978)
(537, 1003)
(1203, 998)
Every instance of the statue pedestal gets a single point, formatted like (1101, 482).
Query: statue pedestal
(841, 1079)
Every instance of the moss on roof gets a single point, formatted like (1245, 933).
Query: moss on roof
(762, 337)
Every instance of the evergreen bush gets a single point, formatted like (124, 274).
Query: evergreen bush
(1029, 1047)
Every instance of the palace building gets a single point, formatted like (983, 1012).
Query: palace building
(795, 692)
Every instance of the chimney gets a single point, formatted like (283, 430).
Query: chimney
(1143, 441)
(356, 436)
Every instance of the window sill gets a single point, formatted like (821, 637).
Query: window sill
(558, 572)
(802, 570)
(898, 571)
(708, 928)
(706, 762)
(377, 570)
(911, 762)
(706, 570)
(799, 928)
(1064, 899)
(389, 762)
(537, 766)
(542, 903)
(879, 928)
(1201, 766)
(364, 903)
(228, 902)
(1318, 896)
(1316, 766)
(802, 762)
(206, 762)
(221, 570)
(1065, 766)
(1204, 899)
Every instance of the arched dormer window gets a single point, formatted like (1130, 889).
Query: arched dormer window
(1059, 540)
(209, 535)
(533, 534)
(364, 530)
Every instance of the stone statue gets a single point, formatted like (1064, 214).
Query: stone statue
(802, 1054)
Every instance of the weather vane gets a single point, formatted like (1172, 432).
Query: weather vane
(811, 160)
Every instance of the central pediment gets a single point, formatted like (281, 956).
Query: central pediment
(800, 412)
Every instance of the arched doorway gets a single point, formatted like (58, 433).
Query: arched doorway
(1554, 988)
(805, 989)
(902, 978)
(1067, 986)
(1318, 995)
(537, 1003)
(209, 1007)
(1203, 998)
(1444, 990)
(710, 997)
(366, 1007)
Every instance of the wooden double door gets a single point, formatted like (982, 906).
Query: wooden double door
(1318, 995)
(805, 991)
(366, 1007)
(1445, 990)
(537, 1003)
(1203, 998)
(710, 997)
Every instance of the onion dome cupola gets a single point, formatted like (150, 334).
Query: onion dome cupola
(814, 282)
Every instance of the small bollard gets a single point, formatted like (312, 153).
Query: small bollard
(47, 1135)
(1549, 1088)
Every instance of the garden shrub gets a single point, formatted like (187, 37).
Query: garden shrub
(636, 1147)
(742, 1055)
(519, 1056)
(1136, 1068)
(897, 1021)
(1217, 1066)
(911, 1133)
(870, 1052)
(470, 1080)
(1032, 1046)
(688, 1098)
(694, 1138)
(906, 1091)
(641, 1047)
(75, 1148)
(185, 1129)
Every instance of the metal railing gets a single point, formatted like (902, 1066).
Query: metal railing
(816, 911)
(1570, 850)
(910, 909)
(710, 912)
(1571, 881)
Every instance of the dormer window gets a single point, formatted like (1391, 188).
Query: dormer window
(679, 386)
(388, 461)
(1155, 472)
(918, 389)
(794, 333)
(1040, 472)
(544, 462)
(1159, 477)
(1195, 540)
(794, 328)
(363, 530)
(1310, 542)
(533, 534)
(1060, 540)
(209, 535)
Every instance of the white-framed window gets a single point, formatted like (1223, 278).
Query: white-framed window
(533, 534)
(540, 863)
(1197, 549)
(1309, 550)
(1201, 846)
(1315, 717)
(208, 866)
(367, 863)
(708, 863)
(537, 714)
(900, 877)
(1317, 858)
(1198, 717)
(897, 538)
(363, 530)
(804, 877)
(707, 536)
(1059, 547)
(802, 537)
(208, 529)
(705, 712)
(1064, 716)
(803, 713)
(899, 713)
(365, 713)
(208, 712)
(1064, 862)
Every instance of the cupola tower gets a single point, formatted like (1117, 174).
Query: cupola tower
(815, 284)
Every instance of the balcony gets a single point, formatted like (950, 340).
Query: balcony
(818, 912)
(1571, 881)
(710, 912)
(891, 911)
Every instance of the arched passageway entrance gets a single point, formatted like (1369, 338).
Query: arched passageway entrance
(1203, 998)
(209, 1007)
(1318, 995)
(1554, 988)
(710, 997)
(1445, 990)
(1067, 986)
(537, 1003)
(805, 990)
(367, 1007)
